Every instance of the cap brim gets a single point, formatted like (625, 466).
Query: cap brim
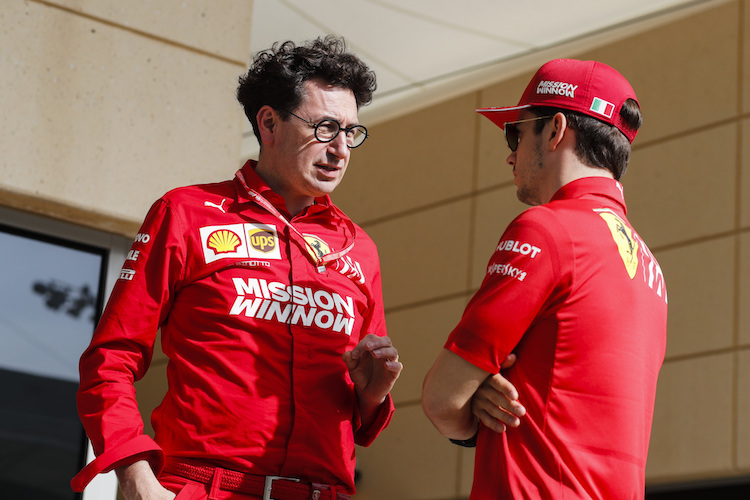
(501, 116)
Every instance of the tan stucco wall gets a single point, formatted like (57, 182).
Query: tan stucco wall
(433, 190)
(108, 104)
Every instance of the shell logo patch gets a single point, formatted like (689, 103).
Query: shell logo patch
(623, 237)
(321, 247)
(239, 241)
(223, 241)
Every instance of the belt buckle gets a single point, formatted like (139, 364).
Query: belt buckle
(269, 485)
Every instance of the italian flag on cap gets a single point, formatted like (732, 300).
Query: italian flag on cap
(602, 107)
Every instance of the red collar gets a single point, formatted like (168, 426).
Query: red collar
(592, 187)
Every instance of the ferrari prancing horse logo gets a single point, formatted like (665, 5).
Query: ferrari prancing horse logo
(317, 245)
(626, 244)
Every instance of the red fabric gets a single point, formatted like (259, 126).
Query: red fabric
(142, 447)
(590, 341)
(253, 332)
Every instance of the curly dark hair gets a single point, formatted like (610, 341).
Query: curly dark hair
(599, 144)
(277, 75)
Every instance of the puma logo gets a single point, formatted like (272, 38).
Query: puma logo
(214, 205)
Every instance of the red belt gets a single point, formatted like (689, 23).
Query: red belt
(266, 487)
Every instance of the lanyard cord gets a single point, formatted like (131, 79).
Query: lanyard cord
(319, 261)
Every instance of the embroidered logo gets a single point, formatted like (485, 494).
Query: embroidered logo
(294, 305)
(239, 241)
(556, 88)
(344, 265)
(506, 270)
(223, 241)
(627, 245)
(220, 206)
(262, 240)
(321, 247)
(602, 107)
(127, 274)
(518, 247)
(142, 238)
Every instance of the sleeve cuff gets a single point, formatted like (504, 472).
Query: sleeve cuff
(365, 437)
(140, 448)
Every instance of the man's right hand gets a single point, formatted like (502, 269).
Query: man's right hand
(138, 482)
(495, 403)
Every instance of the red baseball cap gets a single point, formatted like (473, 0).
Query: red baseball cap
(588, 87)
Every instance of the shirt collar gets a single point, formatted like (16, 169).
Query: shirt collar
(593, 187)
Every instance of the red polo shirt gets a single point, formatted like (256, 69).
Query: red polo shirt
(577, 295)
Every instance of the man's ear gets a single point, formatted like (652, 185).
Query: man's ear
(267, 119)
(558, 130)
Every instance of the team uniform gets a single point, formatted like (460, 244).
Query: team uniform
(574, 291)
(254, 323)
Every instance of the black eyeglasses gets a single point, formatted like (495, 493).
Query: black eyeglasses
(511, 131)
(328, 129)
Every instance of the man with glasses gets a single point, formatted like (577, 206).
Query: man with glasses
(572, 309)
(268, 299)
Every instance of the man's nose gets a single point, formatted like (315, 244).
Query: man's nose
(338, 145)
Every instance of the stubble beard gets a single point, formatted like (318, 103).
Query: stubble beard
(529, 193)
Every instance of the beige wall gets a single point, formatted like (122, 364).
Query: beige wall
(108, 104)
(434, 192)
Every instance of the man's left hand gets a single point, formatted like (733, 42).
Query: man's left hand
(374, 367)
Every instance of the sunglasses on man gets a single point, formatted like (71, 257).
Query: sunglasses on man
(511, 130)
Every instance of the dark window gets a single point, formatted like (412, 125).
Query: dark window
(51, 295)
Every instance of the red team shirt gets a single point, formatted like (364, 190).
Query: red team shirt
(254, 334)
(574, 291)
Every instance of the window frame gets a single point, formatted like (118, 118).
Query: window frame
(115, 248)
